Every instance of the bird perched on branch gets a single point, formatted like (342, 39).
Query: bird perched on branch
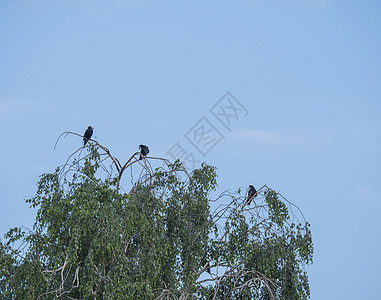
(205, 262)
(87, 135)
(143, 151)
(251, 195)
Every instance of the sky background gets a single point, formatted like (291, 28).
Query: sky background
(307, 71)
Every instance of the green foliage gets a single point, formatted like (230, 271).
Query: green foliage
(91, 241)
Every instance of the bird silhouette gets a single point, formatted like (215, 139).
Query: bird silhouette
(252, 193)
(143, 151)
(205, 262)
(87, 135)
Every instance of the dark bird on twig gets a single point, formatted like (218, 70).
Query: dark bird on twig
(208, 269)
(205, 262)
(251, 195)
(87, 135)
(143, 151)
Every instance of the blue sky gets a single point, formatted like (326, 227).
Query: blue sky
(307, 71)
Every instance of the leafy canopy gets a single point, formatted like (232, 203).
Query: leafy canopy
(164, 238)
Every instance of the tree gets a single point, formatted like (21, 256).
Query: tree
(93, 240)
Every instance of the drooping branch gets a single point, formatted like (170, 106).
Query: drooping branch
(115, 162)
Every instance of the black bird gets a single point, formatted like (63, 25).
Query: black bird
(87, 135)
(204, 262)
(251, 195)
(143, 151)
(208, 269)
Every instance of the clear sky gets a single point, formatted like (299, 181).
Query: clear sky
(307, 73)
